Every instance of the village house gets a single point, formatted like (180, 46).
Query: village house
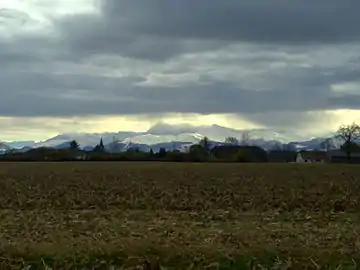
(311, 157)
(81, 157)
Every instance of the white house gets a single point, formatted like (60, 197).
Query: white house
(311, 157)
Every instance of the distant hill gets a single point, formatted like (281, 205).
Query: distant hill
(171, 137)
(4, 148)
(20, 144)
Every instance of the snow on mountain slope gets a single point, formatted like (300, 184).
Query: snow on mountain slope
(20, 144)
(85, 139)
(165, 133)
(64, 138)
(4, 148)
(179, 137)
(268, 135)
(219, 133)
(151, 139)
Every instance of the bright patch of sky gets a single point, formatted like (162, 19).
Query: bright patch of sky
(19, 16)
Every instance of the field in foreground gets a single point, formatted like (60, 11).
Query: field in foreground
(181, 216)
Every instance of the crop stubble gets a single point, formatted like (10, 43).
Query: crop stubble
(178, 212)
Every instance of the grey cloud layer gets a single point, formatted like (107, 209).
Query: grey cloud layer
(159, 29)
(253, 20)
(43, 94)
(204, 56)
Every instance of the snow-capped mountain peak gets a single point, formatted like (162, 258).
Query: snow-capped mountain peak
(178, 137)
(151, 139)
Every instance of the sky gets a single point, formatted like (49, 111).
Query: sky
(112, 65)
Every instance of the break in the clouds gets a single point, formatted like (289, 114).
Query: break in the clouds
(257, 59)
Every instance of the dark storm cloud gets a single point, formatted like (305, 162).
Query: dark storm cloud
(106, 35)
(159, 29)
(61, 94)
(253, 20)
(158, 33)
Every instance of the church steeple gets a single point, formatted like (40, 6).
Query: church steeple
(101, 144)
(100, 147)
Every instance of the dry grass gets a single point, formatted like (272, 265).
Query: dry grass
(179, 215)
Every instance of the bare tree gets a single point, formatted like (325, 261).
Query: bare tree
(348, 134)
(232, 141)
(245, 138)
(205, 142)
(74, 145)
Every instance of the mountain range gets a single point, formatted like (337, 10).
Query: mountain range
(170, 137)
